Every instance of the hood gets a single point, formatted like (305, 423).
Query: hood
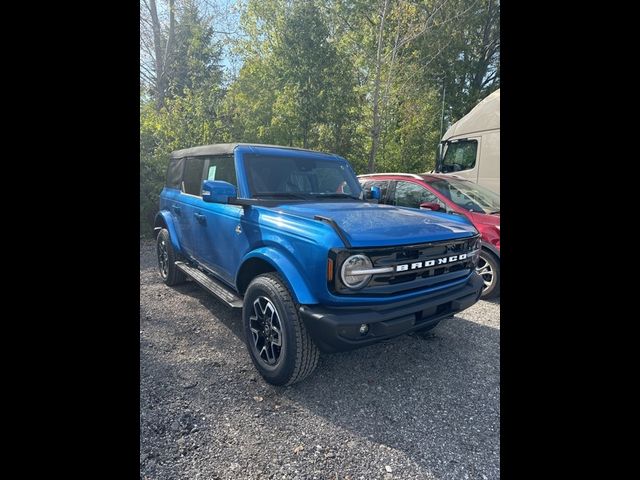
(373, 225)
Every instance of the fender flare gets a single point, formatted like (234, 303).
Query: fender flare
(164, 217)
(287, 269)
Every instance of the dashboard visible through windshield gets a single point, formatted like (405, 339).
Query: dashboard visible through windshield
(300, 178)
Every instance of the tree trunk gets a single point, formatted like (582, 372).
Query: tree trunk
(485, 57)
(375, 130)
(161, 51)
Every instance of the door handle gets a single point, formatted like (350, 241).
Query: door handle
(201, 218)
(176, 209)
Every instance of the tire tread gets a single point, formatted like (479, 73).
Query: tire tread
(307, 353)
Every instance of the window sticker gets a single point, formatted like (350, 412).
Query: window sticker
(212, 172)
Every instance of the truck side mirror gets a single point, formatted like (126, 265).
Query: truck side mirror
(217, 191)
(430, 206)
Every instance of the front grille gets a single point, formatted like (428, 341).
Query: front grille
(415, 277)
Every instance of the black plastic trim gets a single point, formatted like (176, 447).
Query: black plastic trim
(336, 328)
(336, 227)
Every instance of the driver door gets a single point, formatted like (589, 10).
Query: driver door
(220, 229)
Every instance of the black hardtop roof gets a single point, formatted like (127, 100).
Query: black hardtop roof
(228, 148)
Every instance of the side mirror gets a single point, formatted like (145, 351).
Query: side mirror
(375, 193)
(430, 206)
(217, 191)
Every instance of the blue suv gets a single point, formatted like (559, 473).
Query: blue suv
(315, 263)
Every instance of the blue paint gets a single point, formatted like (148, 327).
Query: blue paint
(221, 237)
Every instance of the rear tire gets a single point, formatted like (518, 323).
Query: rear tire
(167, 260)
(489, 269)
(278, 342)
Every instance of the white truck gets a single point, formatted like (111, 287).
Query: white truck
(471, 147)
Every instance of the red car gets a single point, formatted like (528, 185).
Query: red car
(449, 194)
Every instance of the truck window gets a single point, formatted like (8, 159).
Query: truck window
(460, 156)
(192, 177)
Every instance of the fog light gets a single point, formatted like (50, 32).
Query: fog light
(364, 328)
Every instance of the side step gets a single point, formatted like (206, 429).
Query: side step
(214, 286)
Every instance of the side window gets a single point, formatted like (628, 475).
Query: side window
(174, 172)
(383, 184)
(409, 194)
(460, 156)
(221, 168)
(192, 177)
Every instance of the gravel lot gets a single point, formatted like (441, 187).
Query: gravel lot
(419, 406)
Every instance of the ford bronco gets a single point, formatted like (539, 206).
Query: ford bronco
(315, 263)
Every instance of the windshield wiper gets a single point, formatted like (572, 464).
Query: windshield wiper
(281, 195)
(334, 195)
(495, 211)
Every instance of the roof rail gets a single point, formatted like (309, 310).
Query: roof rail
(413, 175)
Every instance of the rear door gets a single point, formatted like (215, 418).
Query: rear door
(184, 207)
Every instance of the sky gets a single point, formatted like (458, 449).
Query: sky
(225, 15)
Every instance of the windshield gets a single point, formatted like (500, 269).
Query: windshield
(468, 195)
(459, 155)
(300, 177)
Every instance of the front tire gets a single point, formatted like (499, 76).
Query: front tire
(489, 269)
(167, 260)
(278, 342)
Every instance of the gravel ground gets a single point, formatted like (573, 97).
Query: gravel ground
(419, 406)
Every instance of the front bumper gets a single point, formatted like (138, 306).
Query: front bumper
(336, 329)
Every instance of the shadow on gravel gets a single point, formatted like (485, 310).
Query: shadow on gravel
(229, 317)
(432, 395)
(494, 301)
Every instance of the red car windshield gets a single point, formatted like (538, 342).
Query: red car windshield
(468, 195)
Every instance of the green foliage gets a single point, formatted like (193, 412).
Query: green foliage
(195, 62)
(295, 86)
(192, 114)
(308, 75)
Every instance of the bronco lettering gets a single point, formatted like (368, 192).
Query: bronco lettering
(430, 263)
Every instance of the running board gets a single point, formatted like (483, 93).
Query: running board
(215, 287)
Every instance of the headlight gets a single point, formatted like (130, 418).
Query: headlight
(352, 274)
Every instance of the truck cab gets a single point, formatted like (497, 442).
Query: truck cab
(314, 262)
(471, 147)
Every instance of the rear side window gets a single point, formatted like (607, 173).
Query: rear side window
(192, 177)
(460, 156)
(174, 172)
(221, 168)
